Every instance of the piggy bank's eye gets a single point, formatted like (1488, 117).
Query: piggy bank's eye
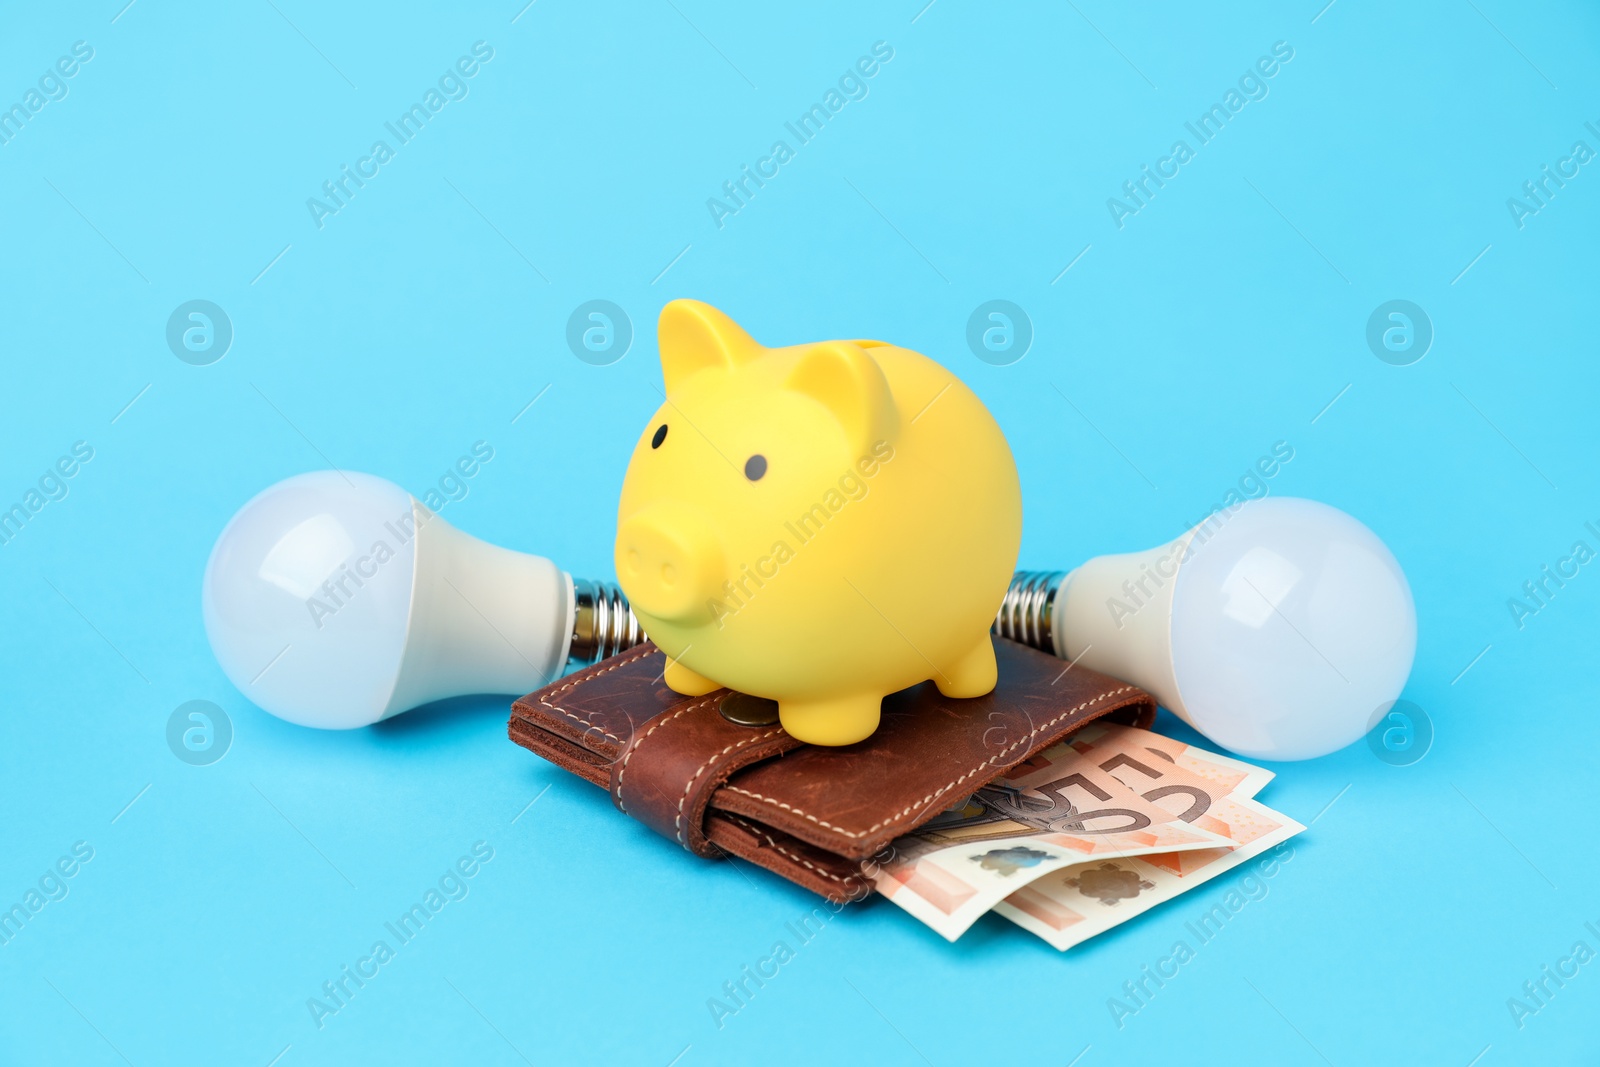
(661, 435)
(755, 467)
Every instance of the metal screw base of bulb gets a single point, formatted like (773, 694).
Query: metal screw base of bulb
(1027, 612)
(602, 623)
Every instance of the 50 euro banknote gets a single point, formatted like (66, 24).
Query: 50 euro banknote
(1068, 906)
(1051, 813)
(1140, 757)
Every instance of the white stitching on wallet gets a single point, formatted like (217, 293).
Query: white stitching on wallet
(791, 808)
(937, 793)
(677, 823)
(584, 676)
(658, 724)
(804, 863)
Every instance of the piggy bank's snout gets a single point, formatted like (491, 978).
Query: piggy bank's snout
(669, 562)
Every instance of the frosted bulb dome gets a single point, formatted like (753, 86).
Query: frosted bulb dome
(307, 597)
(1292, 625)
(1279, 629)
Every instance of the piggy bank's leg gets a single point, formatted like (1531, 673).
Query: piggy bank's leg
(681, 679)
(837, 721)
(973, 675)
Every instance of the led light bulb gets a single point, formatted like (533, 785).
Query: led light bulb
(338, 599)
(1279, 630)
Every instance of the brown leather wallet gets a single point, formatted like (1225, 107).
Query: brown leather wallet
(817, 816)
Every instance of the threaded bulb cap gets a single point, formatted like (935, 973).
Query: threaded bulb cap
(1027, 613)
(602, 623)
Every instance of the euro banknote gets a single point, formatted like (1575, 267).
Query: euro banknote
(1083, 836)
(1121, 744)
(1066, 907)
(1053, 812)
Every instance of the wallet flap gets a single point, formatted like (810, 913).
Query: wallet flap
(584, 721)
(929, 753)
(676, 764)
(670, 770)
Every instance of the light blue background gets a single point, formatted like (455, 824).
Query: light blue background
(1222, 318)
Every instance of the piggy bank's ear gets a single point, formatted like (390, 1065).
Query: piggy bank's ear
(694, 336)
(850, 384)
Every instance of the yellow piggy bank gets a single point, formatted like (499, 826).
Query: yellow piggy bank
(821, 525)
